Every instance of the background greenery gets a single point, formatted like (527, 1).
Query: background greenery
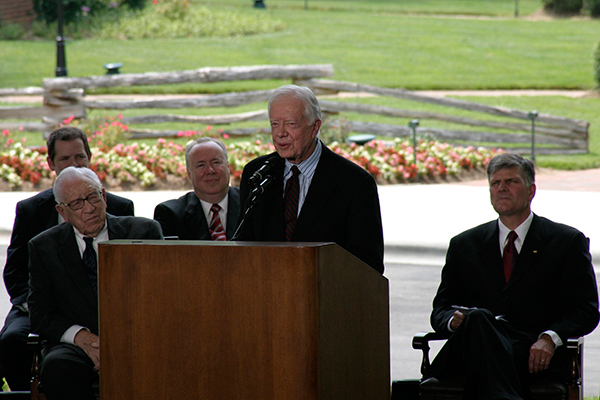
(414, 44)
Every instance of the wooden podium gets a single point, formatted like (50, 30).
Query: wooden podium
(241, 320)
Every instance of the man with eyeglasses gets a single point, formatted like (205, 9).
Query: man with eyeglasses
(67, 146)
(63, 298)
(211, 211)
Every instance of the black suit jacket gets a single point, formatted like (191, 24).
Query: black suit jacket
(184, 217)
(61, 294)
(33, 216)
(341, 206)
(552, 287)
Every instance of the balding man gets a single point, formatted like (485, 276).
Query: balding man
(63, 298)
(211, 211)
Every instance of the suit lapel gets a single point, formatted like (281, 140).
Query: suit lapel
(47, 210)
(491, 251)
(233, 208)
(72, 263)
(195, 219)
(321, 188)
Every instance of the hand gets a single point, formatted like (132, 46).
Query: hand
(540, 354)
(90, 343)
(457, 319)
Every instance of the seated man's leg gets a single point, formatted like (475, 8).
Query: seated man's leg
(15, 356)
(67, 373)
(481, 351)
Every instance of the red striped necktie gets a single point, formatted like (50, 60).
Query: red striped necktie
(216, 227)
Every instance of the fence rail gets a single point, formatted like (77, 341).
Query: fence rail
(64, 97)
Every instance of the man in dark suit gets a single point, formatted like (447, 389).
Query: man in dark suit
(512, 291)
(63, 298)
(211, 211)
(315, 194)
(67, 146)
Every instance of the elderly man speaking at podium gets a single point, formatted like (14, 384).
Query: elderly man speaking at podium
(311, 194)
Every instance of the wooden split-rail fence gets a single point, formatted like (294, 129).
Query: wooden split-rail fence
(65, 97)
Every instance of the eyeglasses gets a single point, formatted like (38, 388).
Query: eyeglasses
(78, 204)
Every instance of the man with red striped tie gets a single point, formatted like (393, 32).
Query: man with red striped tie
(211, 211)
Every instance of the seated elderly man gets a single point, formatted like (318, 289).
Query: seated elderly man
(63, 298)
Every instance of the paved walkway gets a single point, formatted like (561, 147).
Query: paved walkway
(419, 220)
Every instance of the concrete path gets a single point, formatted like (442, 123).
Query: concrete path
(419, 220)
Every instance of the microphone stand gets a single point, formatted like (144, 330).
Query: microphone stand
(251, 203)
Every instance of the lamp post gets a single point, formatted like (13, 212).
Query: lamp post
(61, 63)
(532, 116)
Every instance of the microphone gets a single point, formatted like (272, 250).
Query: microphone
(262, 173)
(260, 188)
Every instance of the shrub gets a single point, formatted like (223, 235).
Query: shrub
(177, 19)
(563, 7)
(75, 10)
(12, 31)
(593, 8)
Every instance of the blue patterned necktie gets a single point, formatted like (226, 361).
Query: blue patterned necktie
(91, 263)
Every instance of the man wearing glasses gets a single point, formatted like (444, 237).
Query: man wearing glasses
(67, 146)
(63, 298)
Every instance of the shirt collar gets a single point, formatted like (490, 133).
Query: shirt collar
(206, 206)
(307, 167)
(521, 231)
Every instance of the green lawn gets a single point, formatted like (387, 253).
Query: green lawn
(413, 44)
(374, 42)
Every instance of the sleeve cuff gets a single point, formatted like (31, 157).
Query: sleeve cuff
(69, 335)
(554, 336)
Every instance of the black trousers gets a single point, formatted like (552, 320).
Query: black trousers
(15, 356)
(493, 358)
(67, 373)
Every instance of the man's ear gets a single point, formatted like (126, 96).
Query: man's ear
(316, 128)
(61, 211)
(50, 163)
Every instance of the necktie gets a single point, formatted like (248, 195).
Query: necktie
(216, 227)
(91, 263)
(509, 257)
(290, 203)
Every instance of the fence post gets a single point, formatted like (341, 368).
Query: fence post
(413, 125)
(532, 116)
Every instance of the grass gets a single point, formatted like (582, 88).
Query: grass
(385, 46)
(412, 44)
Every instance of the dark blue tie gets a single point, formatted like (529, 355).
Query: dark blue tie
(91, 263)
(510, 255)
(290, 203)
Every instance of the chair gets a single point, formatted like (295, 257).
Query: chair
(37, 343)
(431, 388)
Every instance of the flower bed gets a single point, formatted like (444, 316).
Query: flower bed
(162, 165)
